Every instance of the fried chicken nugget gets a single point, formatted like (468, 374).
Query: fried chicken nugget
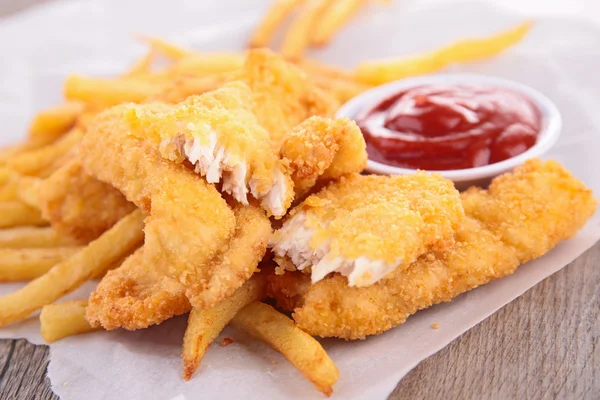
(218, 133)
(520, 217)
(366, 227)
(323, 149)
(533, 208)
(138, 294)
(189, 222)
(285, 96)
(78, 205)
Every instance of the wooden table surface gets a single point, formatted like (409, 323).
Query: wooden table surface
(544, 345)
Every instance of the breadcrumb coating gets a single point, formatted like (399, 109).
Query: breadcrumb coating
(323, 149)
(521, 216)
(188, 223)
(218, 133)
(79, 205)
(385, 219)
(285, 96)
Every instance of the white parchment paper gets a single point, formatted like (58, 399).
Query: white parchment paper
(40, 47)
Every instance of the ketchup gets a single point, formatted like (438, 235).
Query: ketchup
(444, 127)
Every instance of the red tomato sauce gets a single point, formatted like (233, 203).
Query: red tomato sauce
(446, 127)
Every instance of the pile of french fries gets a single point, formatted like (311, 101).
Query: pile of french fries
(56, 264)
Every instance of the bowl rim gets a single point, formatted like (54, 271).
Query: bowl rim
(549, 133)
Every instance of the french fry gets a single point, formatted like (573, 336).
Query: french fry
(15, 213)
(107, 92)
(57, 321)
(8, 152)
(208, 64)
(276, 14)
(334, 19)
(308, 356)
(378, 72)
(68, 275)
(317, 68)
(34, 237)
(142, 66)
(205, 325)
(342, 89)
(34, 162)
(27, 190)
(180, 89)
(52, 123)
(297, 38)
(27, 264)
(168, 49)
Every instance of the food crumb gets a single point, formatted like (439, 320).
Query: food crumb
(273, 362)
(65, 384)
(435, 326)
(226, 341)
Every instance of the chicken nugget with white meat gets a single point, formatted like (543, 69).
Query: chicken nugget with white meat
(520, 217)
(366, 227)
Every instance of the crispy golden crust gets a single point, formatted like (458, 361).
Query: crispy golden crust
(80, 206)
(189, 222)
(226, 113)
(323, 148)
(523, 215)
(331, 308)
(533, 208)
(284, 95)
(135, 296)
(239, 261)
(389, 218)
(138, 294)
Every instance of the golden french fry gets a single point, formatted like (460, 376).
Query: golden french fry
(35, 162)
(342, 89)
(52, 123)
(27, 190)
(297, 38)
(10, 151)
(142, 66)
(205, 325)
(308, 356)
(317, 68)
(27, 264)
(180, 89)
(333, 19)
(71, 273)
(107, 92)
(275, 15)
(378, 72)
(208, 64)
(57, 321)
(168, 49)
(15, 213)
(34, 237)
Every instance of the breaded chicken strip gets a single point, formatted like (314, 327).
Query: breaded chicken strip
(533, 208)
(366, 227)
(138, 294)
(189, 222)
(523, 215)
(78, 205)
(285, 96)
(323, 149)
(218, 133)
